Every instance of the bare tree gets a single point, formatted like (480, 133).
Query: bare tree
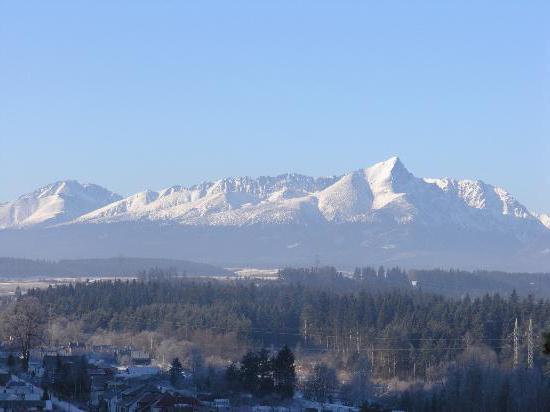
(25, 324)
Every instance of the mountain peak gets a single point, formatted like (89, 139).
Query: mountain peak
(67, 187)
(394, 163)
(390, 166)
(56, 202)
(393, 160)
(388, 172)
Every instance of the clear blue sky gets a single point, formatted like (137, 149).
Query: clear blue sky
(134, 95)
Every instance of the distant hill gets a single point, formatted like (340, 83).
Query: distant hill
(120, 266)
(459, 283)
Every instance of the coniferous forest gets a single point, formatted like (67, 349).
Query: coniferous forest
(409, 330)
(364, 336)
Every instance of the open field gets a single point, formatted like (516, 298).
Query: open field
(9, 286)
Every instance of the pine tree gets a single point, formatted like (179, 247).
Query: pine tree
(265, 373)
(175, 371)
(284, 373)
(233, 377)
(11, 362)
(249, 371)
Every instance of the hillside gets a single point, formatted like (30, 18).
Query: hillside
(120, 266)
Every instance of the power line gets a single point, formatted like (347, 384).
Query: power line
(530, 345)
(308, 334)
(516, 344)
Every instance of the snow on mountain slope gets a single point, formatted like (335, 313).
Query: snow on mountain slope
(348, 199)
(389, 181)
(54, 203)
(545, 219)
(370, 194)
(382, 213)
(229, 201)
(476, 205)
(384, 194)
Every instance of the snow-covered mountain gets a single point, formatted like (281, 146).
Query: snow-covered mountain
(386, 192)
(545, 219)
(231, 201)
(379, 214)
(54, 203)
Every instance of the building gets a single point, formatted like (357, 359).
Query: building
(17, 395)
(53, 366)
(76, 348)
(148, 398)
(139, 357)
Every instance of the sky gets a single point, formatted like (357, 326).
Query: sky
(139, 94)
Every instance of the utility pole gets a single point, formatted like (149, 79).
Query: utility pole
(372, 357)
(50, 326)
(516, 344)
(530, 345)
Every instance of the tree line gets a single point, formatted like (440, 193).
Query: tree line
(405, 333)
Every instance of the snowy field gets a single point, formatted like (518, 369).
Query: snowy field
(267, 274)
(9, 286)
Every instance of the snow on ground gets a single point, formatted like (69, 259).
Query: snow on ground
(256, 273)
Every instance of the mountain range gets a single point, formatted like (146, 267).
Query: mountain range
(382, 214)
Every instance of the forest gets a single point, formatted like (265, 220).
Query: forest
(368, 335)
(409, 329)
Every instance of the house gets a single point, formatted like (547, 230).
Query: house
(102, 358)
(123, 399)
(171, 403)
(99, 386)
(147, 398)
(17, 395)
(53, 365)
(221, 404)
(139, 357)
(17, 405)
(142, 372)
(18, 389)
(36, 368)
(76, 348)
(104, 349)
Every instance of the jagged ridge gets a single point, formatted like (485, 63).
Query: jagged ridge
(385, 193)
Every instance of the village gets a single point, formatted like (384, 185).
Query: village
(109, 378)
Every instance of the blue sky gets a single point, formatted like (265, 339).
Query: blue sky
(135, 95)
